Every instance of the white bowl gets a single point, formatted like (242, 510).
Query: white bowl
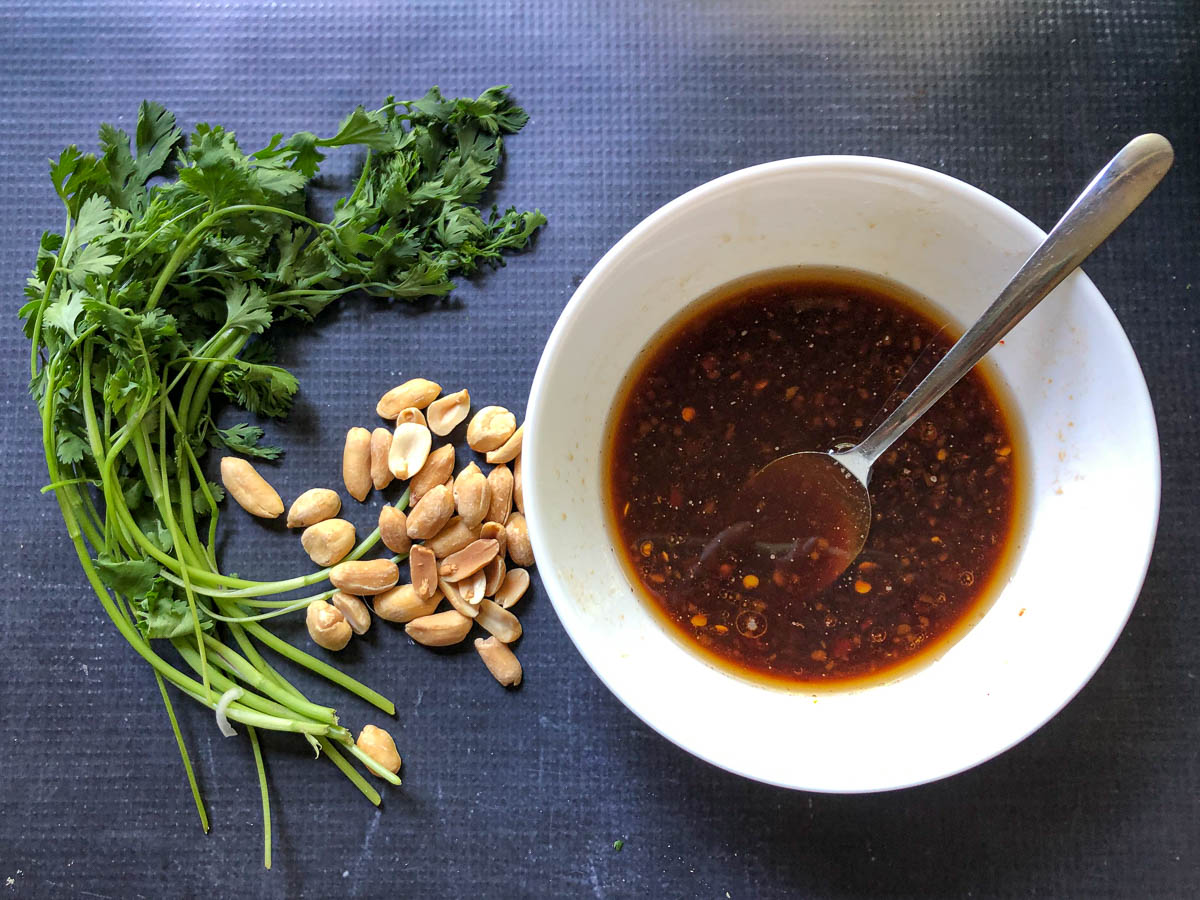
(1093, 498)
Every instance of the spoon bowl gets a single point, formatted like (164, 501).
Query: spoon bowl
(808, 515)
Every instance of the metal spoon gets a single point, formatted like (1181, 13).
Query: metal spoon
(820, 498)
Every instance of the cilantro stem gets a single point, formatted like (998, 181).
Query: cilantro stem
(183, 753)
(266, 800)
(349, 771)
(283, 648)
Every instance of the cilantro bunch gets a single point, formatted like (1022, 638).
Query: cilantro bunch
(150, 306)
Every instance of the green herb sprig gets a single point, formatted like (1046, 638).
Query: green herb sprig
(151, 304)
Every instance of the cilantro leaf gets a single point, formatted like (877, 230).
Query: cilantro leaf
(247, 309)
(131, 577)
(259, 388)
(163, 615)
(244, 439)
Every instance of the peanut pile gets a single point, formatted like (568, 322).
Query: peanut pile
(464, 536)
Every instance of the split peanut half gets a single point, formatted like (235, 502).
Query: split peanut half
(469, 560)
(439, 466)
(411, 414)
(509, 450)
(431, 514)
(498, 621)
(490, 427)
(500, 661)
(495, 531)
(328, 542)
(378, 744)
(500, 480)
(416, 392)
(327, 626)
(403, 604)
(313, 506)
(452, 593)
(494, 574)
(251, 491)
(381, 445)
(393, 529)
(472, 494)
(356, 463)
(365, 577)
(447, 413)
(440, 629)
(520, 550)
(422, 567)
(515, 584)
(453, 537)
(410, 448)
(354, 610)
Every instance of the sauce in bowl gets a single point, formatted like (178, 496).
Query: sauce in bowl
(809, 359)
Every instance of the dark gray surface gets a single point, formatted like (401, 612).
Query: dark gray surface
(522, 794)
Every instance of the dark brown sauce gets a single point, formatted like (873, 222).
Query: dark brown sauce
(807, 359)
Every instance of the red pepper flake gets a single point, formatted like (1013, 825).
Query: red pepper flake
(688, 413)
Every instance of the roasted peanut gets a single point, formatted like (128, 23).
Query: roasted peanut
(456, 599)
(409, 450)
(328, 542)
(520, 550)
(456, 535)
(495, 531)
(472, 587)
(378, 744)
(494, 574)
(472, 494)
(440, 629)
(381, 445)
(327, 626)
(431, 514)
(365, 577)
(354, 610)
(468, 560)
(411, 414)
(356, 463)
(509, 450)
(313, 506)
(249, 489)
(402, 604)
(422, 567)
(500, 660)
(393, 529)
(448, 412)
(498, 621)
(416, 392)
(490, 427)
(500, 480)
(518, 485)
(438, 467)
(516, 582)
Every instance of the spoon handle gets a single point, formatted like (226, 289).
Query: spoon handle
(1112, 195)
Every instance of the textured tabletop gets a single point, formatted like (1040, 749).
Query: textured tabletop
(514, 794)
